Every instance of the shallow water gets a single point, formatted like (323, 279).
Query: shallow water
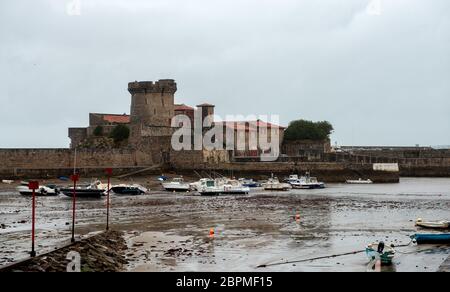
(249, 230)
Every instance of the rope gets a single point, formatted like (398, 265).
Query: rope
(319, 258)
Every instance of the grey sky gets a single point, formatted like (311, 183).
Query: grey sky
(379, 79)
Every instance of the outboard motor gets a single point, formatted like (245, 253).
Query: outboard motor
(380, 247)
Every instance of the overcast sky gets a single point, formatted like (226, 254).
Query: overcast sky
(379, 73)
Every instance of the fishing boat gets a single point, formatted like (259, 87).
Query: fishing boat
(249, 183)
(176, 185)
(378, 250)
(273, 184)
(307, 182)
(94, 190)
(196, 185)
(216, 187)
(432, 224)
(291, 178)
(434, 238)
(7, 181)
(359, 181)
(43, 191)
(123, 189)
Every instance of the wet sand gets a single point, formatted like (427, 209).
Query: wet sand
(170, 232)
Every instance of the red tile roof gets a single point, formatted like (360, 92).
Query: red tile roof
(117, 119)
(183, 107)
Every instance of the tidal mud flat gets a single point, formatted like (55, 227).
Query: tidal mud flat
(171, 232)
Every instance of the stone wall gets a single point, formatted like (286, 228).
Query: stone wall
(328, 172)
(77, 135)
(11, 159)
(406, 153)
(309, 149)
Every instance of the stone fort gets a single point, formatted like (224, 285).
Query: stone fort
(150, 122)
(149, 145)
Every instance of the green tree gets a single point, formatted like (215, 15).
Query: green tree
(98, 131)
(308, 130)
(120, 133)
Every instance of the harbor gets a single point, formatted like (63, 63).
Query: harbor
(295, 230)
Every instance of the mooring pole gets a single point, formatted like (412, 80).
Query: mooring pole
(109, 173)
(33, 185)
(74, 178)
(33, 218)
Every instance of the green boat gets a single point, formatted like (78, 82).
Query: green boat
(379, 251)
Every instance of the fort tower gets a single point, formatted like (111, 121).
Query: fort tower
(152, 108)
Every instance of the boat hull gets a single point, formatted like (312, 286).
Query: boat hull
(38, 194)
(127, 191)
(41, 192)
(443, 238)
(357, 182)
(83, 193)
(252, 185)
(217, 193)
(178, 190)
(276, 189)
(433, 225)
(308, 187)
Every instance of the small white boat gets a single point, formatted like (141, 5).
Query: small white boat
(432, 224)
(222, 187)
(7, 181)
(273, 184)
(359, 181)
(176, 185)
(41, 192)
(124, 189)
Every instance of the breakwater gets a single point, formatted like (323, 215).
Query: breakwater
(328, 172)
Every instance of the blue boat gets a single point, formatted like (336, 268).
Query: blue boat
(436, 238)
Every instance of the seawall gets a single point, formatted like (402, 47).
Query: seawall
(45, 163)
(328, 172)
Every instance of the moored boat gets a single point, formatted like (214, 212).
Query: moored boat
(378, 250)
(249, 183)
(123, 189)
(432, 238)
(93, 190)
(196, 185)
(432, 224)
(176, 185)
(273, 184)
(359, 181)
(307, 182)
(222, 187)
(42, 191)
